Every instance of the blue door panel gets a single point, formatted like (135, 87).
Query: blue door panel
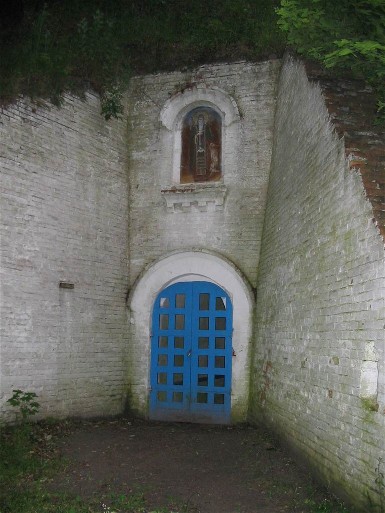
(191, 354)
(170, 375)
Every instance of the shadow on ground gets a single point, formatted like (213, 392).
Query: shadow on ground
(187, 467)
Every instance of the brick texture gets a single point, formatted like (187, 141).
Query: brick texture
(235, 231)
(319, 374)
(64, 214)
(351, 106)
(82, 206)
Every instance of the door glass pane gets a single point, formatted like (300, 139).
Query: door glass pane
(164, 302)
(203, 342)
(203, 361)
(179, 342)
(178, 360)
(219, 399)
(177, 397)
(220, 303)
(220, 342)
(220, 323)
(203, 380)
(220, 362)
(163, 321)
(163, 342)
(202, 397)
(180, 301)
(219, 380)
(179, 322)
(183, 346)
(204, 301)
(162, 396)
(177, 379)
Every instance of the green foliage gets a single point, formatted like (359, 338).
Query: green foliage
(132, 503)
(325, 506)
(72, 45)
(348, 36)
(21, 466)
(25, 403)
(111, 102)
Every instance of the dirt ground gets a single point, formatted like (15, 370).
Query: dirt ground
(186, 467)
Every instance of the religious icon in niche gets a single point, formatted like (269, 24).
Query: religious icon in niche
(201, 146)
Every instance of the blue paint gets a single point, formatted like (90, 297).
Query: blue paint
(191, 351)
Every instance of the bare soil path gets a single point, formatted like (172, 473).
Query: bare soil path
(186, 467)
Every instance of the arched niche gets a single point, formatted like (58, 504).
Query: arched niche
(183, 267)
(174, 113)
(201, 154)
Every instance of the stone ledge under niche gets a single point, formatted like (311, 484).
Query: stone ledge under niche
(202, 197)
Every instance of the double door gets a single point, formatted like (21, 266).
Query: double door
(191, 352)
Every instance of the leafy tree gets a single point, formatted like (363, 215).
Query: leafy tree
(348, 35)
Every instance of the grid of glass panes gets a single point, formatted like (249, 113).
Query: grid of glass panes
(191, 353)
(211, 349)
(170, 366)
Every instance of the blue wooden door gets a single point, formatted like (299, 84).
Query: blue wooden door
(191, 351)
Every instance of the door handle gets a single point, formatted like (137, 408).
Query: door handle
(189, 353)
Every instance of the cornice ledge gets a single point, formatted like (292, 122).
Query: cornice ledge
(203, 197)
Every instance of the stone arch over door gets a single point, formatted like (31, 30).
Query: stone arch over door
(189, 266)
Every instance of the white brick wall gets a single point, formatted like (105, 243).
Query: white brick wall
(318, 371)
(234, 232)
(244, 94)
(64, 214)
(319, 363)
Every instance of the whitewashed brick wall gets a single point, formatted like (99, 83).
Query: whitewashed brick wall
(234, 232)
(311, 248)
(64, 213)
(319, 370)
(244, 94)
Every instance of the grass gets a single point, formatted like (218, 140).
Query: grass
(316, 500)
(29, 460)
(325, 505)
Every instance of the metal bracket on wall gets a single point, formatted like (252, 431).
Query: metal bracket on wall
(66, 285)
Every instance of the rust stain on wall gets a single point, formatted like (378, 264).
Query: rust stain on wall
(352, 106)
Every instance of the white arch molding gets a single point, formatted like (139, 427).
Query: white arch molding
(180, 267)
(171, 118)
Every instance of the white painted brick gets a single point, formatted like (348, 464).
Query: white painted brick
(77, 192)
(234, 232)
(325, 258)
(64, 215)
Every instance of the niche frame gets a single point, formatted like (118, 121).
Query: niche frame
(180, 197)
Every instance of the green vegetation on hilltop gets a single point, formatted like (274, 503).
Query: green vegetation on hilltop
(53, 46)
(348, 35)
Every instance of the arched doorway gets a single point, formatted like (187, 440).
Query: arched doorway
(174, 269)
(191, 353)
